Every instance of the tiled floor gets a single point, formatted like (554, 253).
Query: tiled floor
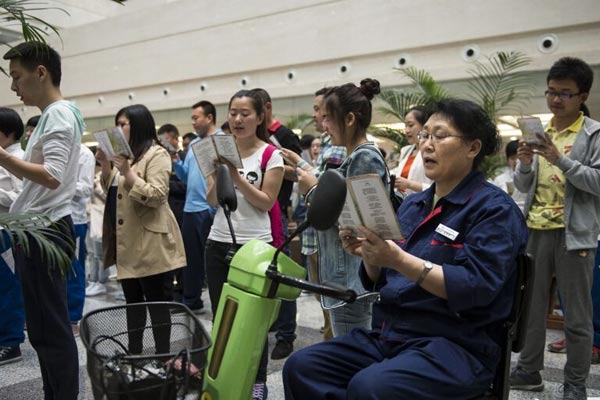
(21, 381)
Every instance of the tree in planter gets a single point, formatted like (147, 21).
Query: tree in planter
(498, 86)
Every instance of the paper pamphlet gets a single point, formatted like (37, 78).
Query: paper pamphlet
(113, 143)
(532, 129)
(275, 142)
(209, 149)
(368, 204)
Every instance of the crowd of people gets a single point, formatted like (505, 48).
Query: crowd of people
(443, 292)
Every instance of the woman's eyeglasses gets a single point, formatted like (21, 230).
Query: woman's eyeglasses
(435, 137)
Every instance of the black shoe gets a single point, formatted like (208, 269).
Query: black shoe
(523, 380)
(282, 349)
(197, 307)
(572, 391)
(10, 354)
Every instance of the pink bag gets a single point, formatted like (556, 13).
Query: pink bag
(275, 212)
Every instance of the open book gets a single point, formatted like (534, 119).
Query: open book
(209, 149)
(532, 129)
(113, 143)
(368, 204)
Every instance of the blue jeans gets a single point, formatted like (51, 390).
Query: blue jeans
(76, 277)
(285, 325)
(195, 228)
(12, 317)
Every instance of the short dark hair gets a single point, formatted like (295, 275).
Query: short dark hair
(11, 122)
(306, 141)
(321, 91)
(142, 130)
(170, 129)
(574, 69)
(472, 121)
(259, 108)
(264, 95)
(33, 121)
(511, 148)
(421, 113)
(33, 54)
(225, 126)
(208, 108)
(349, 98)
(189, 136)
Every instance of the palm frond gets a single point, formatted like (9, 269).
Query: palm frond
(395, 135)
(397, 102)
(431, 90)
(498, 85)
(25, 229)
(299, 121)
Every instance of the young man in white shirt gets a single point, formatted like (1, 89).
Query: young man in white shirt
(49, 172)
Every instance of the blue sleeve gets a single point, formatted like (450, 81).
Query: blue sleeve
(181, 168)
(487, 259)
(366, 161)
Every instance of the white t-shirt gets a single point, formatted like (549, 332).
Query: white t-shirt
(10, 185)
(84, 187)
(54, 144)
(248, 221)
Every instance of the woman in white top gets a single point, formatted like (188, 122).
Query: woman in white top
(256, 193)
(410, 174)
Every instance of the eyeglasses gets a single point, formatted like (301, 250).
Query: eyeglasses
(551, 94)
(435, 137)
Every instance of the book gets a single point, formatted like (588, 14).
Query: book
(368, 204)
(113, 143)
(213, 147)
(532, 129)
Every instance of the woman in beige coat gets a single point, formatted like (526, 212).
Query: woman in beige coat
(140, 233)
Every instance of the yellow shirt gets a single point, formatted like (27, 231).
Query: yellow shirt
(548, 207)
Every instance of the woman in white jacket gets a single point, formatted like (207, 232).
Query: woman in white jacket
(410, 174)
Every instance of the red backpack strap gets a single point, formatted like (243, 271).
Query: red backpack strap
(266, 156)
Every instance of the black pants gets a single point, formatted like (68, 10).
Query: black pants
(217, 268)
(47, 317)
(138, 290)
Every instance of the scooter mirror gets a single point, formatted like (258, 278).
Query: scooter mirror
(225, 189)
(327, 201)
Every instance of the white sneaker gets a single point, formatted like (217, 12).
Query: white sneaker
(95, 289)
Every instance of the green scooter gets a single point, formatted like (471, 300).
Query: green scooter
(259, 278)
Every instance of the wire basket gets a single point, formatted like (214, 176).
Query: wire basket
(144, 351)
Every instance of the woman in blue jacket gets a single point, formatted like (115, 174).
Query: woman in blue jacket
(444, 290)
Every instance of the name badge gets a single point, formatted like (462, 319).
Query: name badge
(447, 232)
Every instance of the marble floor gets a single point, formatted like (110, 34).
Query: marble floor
(21, 380)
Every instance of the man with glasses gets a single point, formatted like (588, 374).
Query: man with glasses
(562, 180)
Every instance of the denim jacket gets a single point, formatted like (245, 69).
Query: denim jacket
(582, 187)
(335, 265)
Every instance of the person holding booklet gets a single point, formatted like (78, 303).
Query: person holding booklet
(256, 193)
(140, 233)
(445, 290)
(347, 115)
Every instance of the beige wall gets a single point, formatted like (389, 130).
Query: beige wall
(164, 54)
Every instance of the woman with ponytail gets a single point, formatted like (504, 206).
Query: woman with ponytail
(347, 116)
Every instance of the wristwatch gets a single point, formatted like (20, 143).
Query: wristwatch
(427, 266)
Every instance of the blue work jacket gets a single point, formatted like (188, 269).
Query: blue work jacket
(475, 233)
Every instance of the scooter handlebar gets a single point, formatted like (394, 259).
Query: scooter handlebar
(347, 295)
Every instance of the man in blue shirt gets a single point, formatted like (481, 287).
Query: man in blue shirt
(197, 213)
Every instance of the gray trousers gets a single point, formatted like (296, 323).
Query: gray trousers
(573, 270)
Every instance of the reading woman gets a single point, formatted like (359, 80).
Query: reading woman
(444, 291)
